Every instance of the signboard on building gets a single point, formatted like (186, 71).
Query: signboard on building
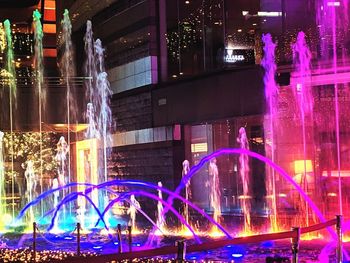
(239, 56)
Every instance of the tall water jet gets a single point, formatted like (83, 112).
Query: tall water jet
(303, 97)
(104, 113)
(61, 158)
(90, 70)
(10, 67)
(244, 172)
(214, 191)
(31, 182)
(39, 82)
(68, 72)
(3, 209)
(134, 207)
(271, 93)
(333, 24)
(160, 215)
(98, 95)
(185, 170)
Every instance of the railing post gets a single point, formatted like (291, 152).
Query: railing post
(78, 239)
(295, 244)
(34, 241)
(119, 233)
(340, 239)
(181, 250)
(130, 238)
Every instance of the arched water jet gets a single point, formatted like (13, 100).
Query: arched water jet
(154, 197)
(257, 156)
(120, 182)
(200, 211)
(66, 200)
(145, 215)
(46, 194)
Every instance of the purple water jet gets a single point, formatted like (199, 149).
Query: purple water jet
(271, 92)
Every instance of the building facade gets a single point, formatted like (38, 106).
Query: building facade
(186, 76)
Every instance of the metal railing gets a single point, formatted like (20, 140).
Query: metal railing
(180, 247)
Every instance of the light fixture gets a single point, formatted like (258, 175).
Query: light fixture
(187, 2)
(269, 14)
(333, 3)
(239, 30)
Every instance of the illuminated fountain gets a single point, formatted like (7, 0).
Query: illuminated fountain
(271, 93)
(134, 207)
(214, 190)
(244, 172)
(3, 210)
(31, 182)
(303, 98)
(98, 110)
(161, 223)
(185, 170)
(92, 191)
(10, 67)
(40, 88)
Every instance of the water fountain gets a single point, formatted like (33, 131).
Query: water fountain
(244, 172)
(134, 207)
(3, 209)
(214, 188)
(40, 90)
(271, 93)
(67, 66)
(10, 67)
(92, 192)
(98, 109)
(161, 223)
(31, 182)
(303, 98)
(185, 170)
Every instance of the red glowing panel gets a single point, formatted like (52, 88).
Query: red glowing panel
(50, 28)
(50, 15)
(50, 52)
(50, 4)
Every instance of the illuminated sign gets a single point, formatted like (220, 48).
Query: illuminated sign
(231, 58)
(239, 56)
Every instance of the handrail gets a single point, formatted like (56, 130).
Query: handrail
(308, 229)
(166, 250)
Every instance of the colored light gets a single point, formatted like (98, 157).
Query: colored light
(334, 3)
(301, 165)
(97, 247)
(270, 14)
(237, 255)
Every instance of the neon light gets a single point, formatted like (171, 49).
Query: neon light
(230, 58)
(334, 3)
(335, 173)
(269, 14)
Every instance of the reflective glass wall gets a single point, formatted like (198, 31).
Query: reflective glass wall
(209, 35)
